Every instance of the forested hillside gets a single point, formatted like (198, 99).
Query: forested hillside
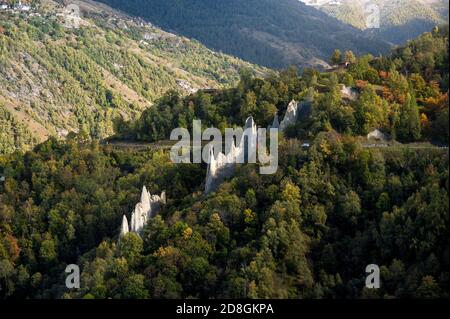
(400, 20)
(13, 135)
(270, 33)
(308, 231)
(404, 94)
(56, 79)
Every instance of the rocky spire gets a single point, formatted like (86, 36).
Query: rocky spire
(220, 168)
(148, 207)
(291, 115)
(249, 140)
(223, 166)
(133, 221)
(163, 197)
(145, 199)
(124, 228)
(210, 172)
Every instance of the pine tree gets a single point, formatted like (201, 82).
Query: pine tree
(336, 57)
(409, 128)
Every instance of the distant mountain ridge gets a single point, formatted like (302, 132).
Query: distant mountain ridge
(270, 33)
(400, 20)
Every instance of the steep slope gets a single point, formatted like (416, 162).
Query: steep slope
(271, 33)
(405, 20)
(400, 20)
(13, 134)
(55, 79)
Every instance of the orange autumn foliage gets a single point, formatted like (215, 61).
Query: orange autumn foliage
(433, 105)
(384, 75)
(424, 121)
(11, 245)
(360, 84)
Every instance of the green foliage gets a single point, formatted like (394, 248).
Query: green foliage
(307, 231)
(408, 128)
(370, 111)
(386, 96)
(13, 135)
(253, 96)
(336, 57)
(427, 55)
(90, 79)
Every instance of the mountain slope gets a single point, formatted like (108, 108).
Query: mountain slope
(272, 33)
(400, 20)
(54, 79)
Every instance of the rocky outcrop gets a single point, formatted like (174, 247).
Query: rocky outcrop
(149, 206)
(124, 229)
(219, 169)
(291, 115)
(377, 135)
(223, 166)
(349, 93)
(186, 86)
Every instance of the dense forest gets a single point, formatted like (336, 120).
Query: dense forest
(308, 231)
(276, 34)
(13, 135)
(404, 94)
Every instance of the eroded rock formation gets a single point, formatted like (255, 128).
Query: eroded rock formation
(291, 115)
(223, 166)
(124, 229)
(377, 135)
(149, 206)
(349, 93)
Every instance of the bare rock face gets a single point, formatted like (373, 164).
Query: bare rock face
(247, 145)
(349, 93)
(377, 135)
(223, 166)
(291, 115)
(219, 169)
(124, 229)
(149, 206)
